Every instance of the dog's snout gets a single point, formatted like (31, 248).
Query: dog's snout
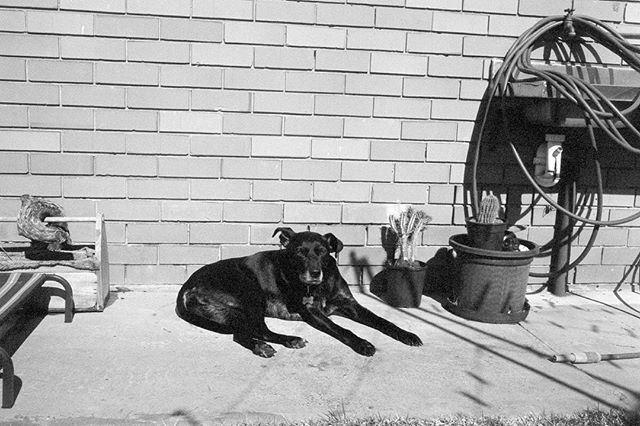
(315, 273)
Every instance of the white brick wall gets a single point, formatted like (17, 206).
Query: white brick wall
(198, 126)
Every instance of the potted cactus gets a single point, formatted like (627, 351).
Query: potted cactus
(487, 230)
(401, 283)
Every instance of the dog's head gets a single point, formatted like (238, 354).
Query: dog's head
(309, 252)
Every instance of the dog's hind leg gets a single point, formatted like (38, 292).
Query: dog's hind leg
(293, 342)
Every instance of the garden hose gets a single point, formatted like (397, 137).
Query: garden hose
(598, 111)
(591, 357)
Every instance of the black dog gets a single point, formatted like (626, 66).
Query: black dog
(300, 282)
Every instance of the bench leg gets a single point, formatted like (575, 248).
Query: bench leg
(7, 379)
(69, 305)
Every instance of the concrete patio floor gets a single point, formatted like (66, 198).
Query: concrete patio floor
(137, 363)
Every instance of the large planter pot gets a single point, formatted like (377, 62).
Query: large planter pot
(400, 287)
(490, 285)
(486, 236)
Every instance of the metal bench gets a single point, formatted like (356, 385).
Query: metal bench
(15, 289)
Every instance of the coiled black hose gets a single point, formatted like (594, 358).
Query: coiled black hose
(599, 112)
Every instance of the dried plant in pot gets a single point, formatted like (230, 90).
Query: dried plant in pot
(487, 230)
(401, 283)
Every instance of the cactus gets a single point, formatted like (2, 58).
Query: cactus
(407, 226)
(489, 207)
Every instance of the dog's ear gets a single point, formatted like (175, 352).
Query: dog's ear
(335, 244)
(285, 235)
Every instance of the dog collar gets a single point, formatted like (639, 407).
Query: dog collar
(308, 299)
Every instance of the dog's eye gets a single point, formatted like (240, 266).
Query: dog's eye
(302, 251)
(320, 251)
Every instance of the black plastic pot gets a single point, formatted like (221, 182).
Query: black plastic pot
(400, 287)
(490, 285)
(486, 236)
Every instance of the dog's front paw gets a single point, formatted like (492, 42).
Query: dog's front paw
(410, 339)
(264, 350)
(364, 348)
(295, 343)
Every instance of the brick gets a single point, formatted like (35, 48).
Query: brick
(223, 146)
(286, 103)
(312, 213)
(188, 76)
(344, 149)
(126, 165)
(266, 190)
(387, 17)
(447, 152)
(222, 55)
(473, 89)
(225, 9)
(284, 11)
(160, 7)
(442, 194)
(191, 211)
(341, 105)
(367, 171)
(207, 189)
(254, 33)
(504, 25)
(218, 233)
(29, 93)
(157, 233)
(107, 6)
(14, 163)
(191, 30)
(455, 67)
(158, 51)
(632, 13)
(338, 60)
(97, 96)
(355, 192)
(605, 11)
(94, 187)
(310, 170)
(61, 118)
(61, 164)
(59, 23)
(452, 22)
(374, 39)
(348, 234)
(126, 26)
(435, 4)
(177, 189)
(250, 168)
(486, 46)
(186, 254)
(385, 85)
(396, 63)
(429, 130)
(126, 120)
(242, 250)
(371, 128)
(255, 124)
(153, 143)
(13, 69)
(313, 126)
(156, 274)
(42, 186)
(129, 210)
(397, 151)
(497, 7)
(93, 142)
(13, 116)
(599, 274)
(190, 122)
(608, 237)
(618, 256)
(455, 110)
(254, 212)
(157, 98)
(220, 100)
(188, 167)
(401, 108)
(29, 45)
(128, 74)
(364, 213)
(133, 254)
(253, 79)
(397, 193)
(422, 173)
(345, 15)
(444, 44)
(308, 36)
(315, 82)
(284, 58)
(92, 48)
(13, 21)
(280, 147)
